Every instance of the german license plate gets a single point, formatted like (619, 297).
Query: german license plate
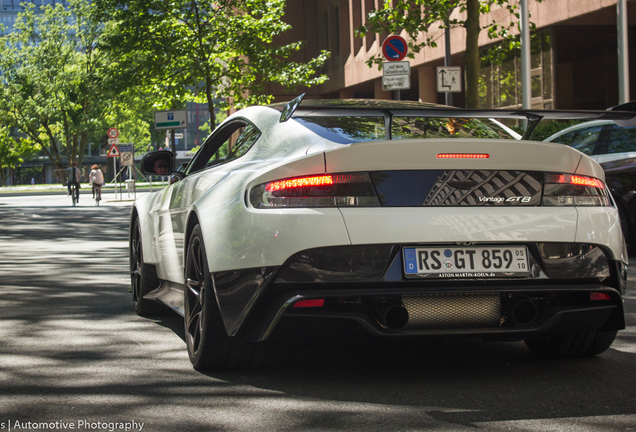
(466, 262)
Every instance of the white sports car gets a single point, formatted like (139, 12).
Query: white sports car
(410, 219)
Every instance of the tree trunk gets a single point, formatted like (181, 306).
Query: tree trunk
(210, 98)
(83, 142)
(471, 55)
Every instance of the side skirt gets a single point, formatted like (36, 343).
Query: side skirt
(170, 294)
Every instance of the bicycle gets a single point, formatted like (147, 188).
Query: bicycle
(74, 194)
(98, 195)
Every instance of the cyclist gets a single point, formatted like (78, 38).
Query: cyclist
(96, 178)
(73, 175)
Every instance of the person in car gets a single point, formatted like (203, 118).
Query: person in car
(162, 166)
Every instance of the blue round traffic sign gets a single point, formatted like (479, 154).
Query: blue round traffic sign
(394, 48)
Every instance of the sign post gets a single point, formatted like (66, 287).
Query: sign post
(114, 153)
(394, 48)
(171, 119)
(396, 74)
(127, 159)
(449, 79)
(113, 133)
(126, 155)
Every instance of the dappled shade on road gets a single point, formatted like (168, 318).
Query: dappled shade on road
(72, 348)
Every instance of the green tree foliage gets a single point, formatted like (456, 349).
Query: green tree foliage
(214, 52)
(133, 116)
(417, 17)
(56, 86)
(502, 60)
(13, 151)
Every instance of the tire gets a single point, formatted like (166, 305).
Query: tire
(209, 346)
(143, 277)
(73, 196)
(578, 344)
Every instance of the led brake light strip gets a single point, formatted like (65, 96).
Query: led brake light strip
(463, 156)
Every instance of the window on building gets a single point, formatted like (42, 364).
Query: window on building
(500, 76)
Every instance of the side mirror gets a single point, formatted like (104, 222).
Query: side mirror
(160, 162)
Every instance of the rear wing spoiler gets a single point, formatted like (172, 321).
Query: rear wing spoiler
(622, 115)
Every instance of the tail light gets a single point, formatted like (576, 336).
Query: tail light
(574, 190)
(329, 190)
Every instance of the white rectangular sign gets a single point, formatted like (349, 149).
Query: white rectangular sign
(127, 158)
(126, 154)
(171, 119)
(449, 79)
(396, 82)
(396, 68)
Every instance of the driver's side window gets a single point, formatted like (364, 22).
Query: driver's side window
(221, 155)
(215, 148)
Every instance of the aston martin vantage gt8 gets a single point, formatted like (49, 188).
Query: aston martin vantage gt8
(408, 219)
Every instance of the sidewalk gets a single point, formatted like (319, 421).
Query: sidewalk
(34, 188)
(52, 188)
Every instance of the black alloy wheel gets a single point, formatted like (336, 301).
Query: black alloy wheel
(143, 277)
(209, 346)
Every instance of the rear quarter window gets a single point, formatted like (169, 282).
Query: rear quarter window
(584, 139)
(622, 140)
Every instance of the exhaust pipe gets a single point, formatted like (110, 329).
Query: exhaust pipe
(393, 316)
(524, 312)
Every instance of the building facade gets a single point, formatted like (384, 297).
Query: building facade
(574, 54)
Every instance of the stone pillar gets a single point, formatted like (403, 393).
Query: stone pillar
(378, 92)
(427, 84)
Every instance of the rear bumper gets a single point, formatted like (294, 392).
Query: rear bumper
(562, 294)
(559, 309)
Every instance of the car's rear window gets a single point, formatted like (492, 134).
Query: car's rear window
(425, 127)
(345, 130)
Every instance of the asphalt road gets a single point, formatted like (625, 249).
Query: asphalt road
(73, 353)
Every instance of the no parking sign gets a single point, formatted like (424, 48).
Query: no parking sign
(394, 48)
